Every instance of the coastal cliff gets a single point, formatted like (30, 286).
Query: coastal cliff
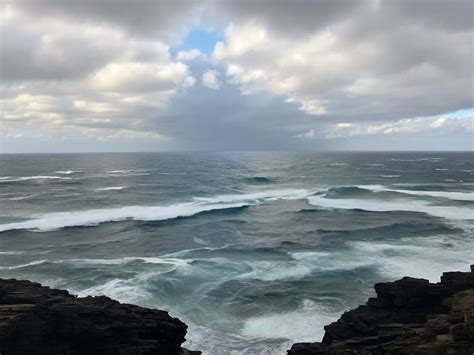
(408, 316)
(38, 320)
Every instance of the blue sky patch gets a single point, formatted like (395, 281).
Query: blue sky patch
(204, 40)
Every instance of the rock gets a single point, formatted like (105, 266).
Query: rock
(408, 316)
(38, 320)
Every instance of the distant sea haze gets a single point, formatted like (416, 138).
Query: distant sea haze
(253, 250)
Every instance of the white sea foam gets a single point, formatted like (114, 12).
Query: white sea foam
(284, 194)
(126, 171)
(37, 177)
(389, 176)
(302, 264)
(58, 220)
(19, 198)
(67, 172)
(276, 270)
(453, 195)
(173, 263)
(12, 252)
(14, 267)
(303, 324)
(449, 212)
(111, 188)
(416, 257)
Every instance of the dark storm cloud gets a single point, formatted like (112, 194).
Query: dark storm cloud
(145, 17)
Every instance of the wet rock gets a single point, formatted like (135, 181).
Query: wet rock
(38, 320)
(408, 316)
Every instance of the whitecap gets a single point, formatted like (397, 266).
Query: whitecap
(111, 188)
(389, 176)
(302, 325)
(126, 171)
(14, 267)
(58, 220)
(449, 212)
(12, 252)
(19, 198)
(284, 194)
(452, 195)
(424, 258)
(67, 172)
(38, 177)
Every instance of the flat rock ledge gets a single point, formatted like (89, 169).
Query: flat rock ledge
(37, 320)
(408, 316)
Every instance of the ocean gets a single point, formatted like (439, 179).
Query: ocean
(253, 250)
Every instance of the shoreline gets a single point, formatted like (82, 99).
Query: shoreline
(408, 316)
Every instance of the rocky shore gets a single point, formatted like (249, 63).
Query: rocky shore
(408, 316)
(37, 320)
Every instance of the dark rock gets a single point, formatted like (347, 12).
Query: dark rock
(38, 320)
(408, 316)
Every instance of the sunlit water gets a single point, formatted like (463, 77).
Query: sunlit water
(254, 251)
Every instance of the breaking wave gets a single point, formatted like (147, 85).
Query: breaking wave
(59, 220)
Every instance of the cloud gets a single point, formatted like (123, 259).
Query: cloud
(92, 78)
(210, 79)
(284, 75)
(189, 55)
(365, 60)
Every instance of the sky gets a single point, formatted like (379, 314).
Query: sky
(155, 75)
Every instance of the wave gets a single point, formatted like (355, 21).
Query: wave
(389, 176)
(440, 169)
(448, 212)
(12, 252)
(14, 267)
(59, 220)
(307, 323)
(26, 178)
(256, 197)
(258, 180)
(68, 172)
(111, 188)
(20, 198)
(452, 195)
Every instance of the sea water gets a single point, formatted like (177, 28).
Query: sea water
(253, 250)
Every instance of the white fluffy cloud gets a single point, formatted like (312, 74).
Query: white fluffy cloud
(84, 77)
(189, 55)
(210, 80)
(315, 70)
(365, 64)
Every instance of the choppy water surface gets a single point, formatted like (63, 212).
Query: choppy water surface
(254, 251)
